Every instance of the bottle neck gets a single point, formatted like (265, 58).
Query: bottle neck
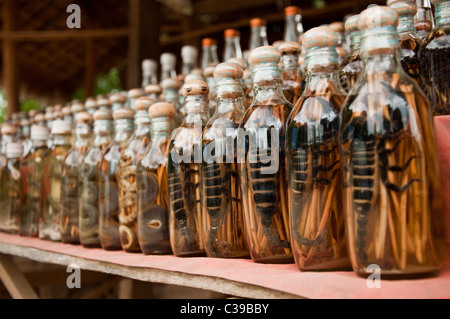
(355, 41)
(232, 49)
(379, 41)
(406, 25)
(150, 78)
(62, 139)
(424, 20)
(289, 62)
(267, 85)
(386, 63)
(142, 125)
(171, 96)
(124, 130)
(293, 28)
(26, 131)
(258, 37)
(442, 14)
(207, 58)
(230, 99)
(187, 67)
(39, 143)
(168, 72)
(197, 109)
(161, 128)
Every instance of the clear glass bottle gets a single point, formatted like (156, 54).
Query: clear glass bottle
(262, 162)
(67, 113)
(434, 60)
(49, 116)
(88, 217)
(152, 187)
(185, 156)
(170, 89)
(131, 154)
(153, 91)
(168, 63)
(293, 27)
(117, 100)
(351, 69)
(223, 221)
(189, 56)
(108, 182)
(133, 95)
(90, 105)
(339, 28)
(313, 160)
(209, 53)
(424, 20)
(25, 139)
(258, 34)
(409, 43)
(232, 47)
(49, 224)
(149, 72)
(35, 181)
(11, 181)
(70, 192)
(290, 71)
(392, 196)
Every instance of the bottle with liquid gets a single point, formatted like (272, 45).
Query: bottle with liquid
(11, 181)
(70, 191)
(209, 76)
(209, 53)
(232, 45)
(434, 60)
(35, 181)
(168, 63)
(131, 154)
(117, 100)
(133, 95)
(49, 224)
(149, 72)
(170, 88)
(352, 67)
(153, 91)
(290, 71)
(424, 20)
(262, 162)
(223, 221)
(185, 156)
(88, 218)
(103, 102)
(391, 183)
(152, 187)
(108, 180)
(313, 160)
(293, 27)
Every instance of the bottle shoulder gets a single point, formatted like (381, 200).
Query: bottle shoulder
(271, 115)
(438, 38)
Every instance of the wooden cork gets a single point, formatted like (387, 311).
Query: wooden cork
(209, 72)
(143, 103)
(117, 98)
(153, 89)
(342, 52)
(195, 88)
(320, 37)
(77, 107)
(170, 83)
(257, 22)
(239, 61)
(32, 113)
(84, 118)
(351, 25)
(292, 10)
(264, 55)
(57, 108)
(228, 70)
(103, 101)
(90, 103)
(135, 93)
(66, 110)
(376, 17)
(337, 26)
(40, 117)
(404, 7)
(8, 129)
(123, 113)
(287, 48)
(231, 33)
(102, 114)
(162, 109)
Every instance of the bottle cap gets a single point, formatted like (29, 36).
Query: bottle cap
(143, 103)
(376, 17)
(290, 48)
(170, 83)
(48, 109)
(209, 71)
(264, 55)
(103, 101)
(117, 98)
(90, 103)
(149, 66)
(292, 10)
(228, 70)
(277, 44)
(39, 132)
(102, 114)
(194, 77)
(123, 113)
(403, 7)
(257, 22)
(61, 127)
(40, 117)
(342, 52)
(84, 118)
(57, 108)
(77, 107)
(208, 42)
(319, 37)
(32, 113)
(153, 89)
(231, 33)
(189, 53)
(14, 150)
(135, 93)
(337, 27)
(66, 111)
(239, 61)
(195, 88)
(168, 60)
(351, 25)
(8, 129)
(162, 109)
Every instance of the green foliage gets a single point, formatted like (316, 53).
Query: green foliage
(2, 106)
(29, 104)
(104, 84)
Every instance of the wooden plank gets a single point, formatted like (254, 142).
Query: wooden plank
(224, 6)
(14, 281)
(80, 34)
(125, 289)
(89, 72)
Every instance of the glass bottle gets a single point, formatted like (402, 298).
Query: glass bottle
(352, 67)
(434, 57)
(149, 72)
(70, 192)
(117, 100)
(223, 221)
(88, 183)
(209, 75)
(131, 154)
(245, 84)
(185, 156)
(49, 116)
(313, 160)
(49, 224)
(35, 181)
(108, 182)
(232, 45)
(189, 55)
(67, 113)
(25, 136)
(290, 71)
(133, 95)
(424, 20)
(77, 107)
(339, 28)
(168, 63)
(293, 27)
(409, 43)
(9, 133)
(152, 187)
(153, 91)
(209, 53)
(258, 34)
(11, 181)
(39, 119)
(170, 89)
(103, 102)
(392, 196)
(262, 168)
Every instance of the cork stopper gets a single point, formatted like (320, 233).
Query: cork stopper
(319, 37)
(48, 109)
(403, 7)
(49, 116)
(170, 83)
(257, 22)
(117, 98)
(287, 48)
(277, 44)
(135, 93)
(57, 114)
(292, 10)
(123, 113)
(228, 70)
(239, 61)
(38, 118)
(264, 55)
(351, 25)
(377, 17)
(153, 89)
(77, 107)
(189, 53)
(143, 103)
(231, 33)
(102, 114)
(61, 127)
(90, 103)
(39, 132)
(342, 52)
(162, 109)
(168, 60)
(103, 101)
(209, 71)
(208, 42)
(57, 108)
(195, 88)
(8, 129)
(337, 26)
(194, 77)
(66, 111)
(84, 118)
(32, 113)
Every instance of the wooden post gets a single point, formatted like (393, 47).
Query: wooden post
(145, 17)
(10, 80)
(89, 69)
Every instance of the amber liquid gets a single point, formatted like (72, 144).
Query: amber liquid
(392, 195)
(292, 85)
(410, 57)
(10, 203)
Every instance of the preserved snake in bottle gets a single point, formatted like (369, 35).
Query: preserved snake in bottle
(290, 71)
(313, 160)
(131, 154)
(352, 67)
(88, 218)
(262, 168)
(185, 156)
(392, 196)
(49, 225)
(108, 180)
(223, 221)
(152, 187)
